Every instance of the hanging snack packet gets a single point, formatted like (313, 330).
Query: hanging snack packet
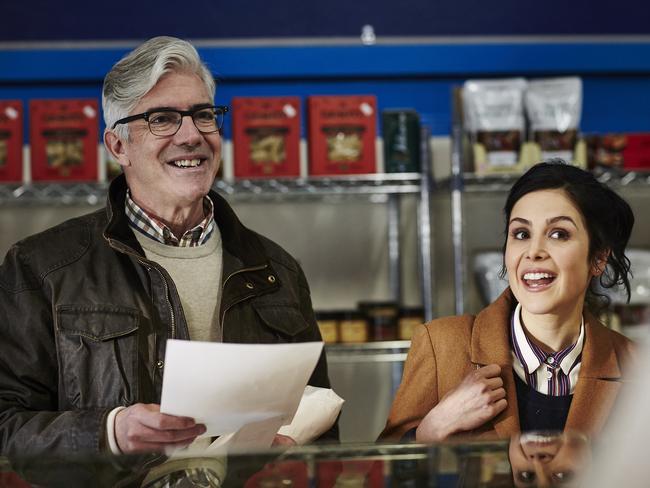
(494, 117)
(554, 107)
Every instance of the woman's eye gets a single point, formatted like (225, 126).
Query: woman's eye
(559, 234)
(519, 234)
(563, 476)
(526, 476)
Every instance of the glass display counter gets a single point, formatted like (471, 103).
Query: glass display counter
(529, 460)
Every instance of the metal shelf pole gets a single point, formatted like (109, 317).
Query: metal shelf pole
(424, 225)
(394, 256)
(457, 203)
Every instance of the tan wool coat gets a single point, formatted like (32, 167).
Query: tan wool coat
(445, 350)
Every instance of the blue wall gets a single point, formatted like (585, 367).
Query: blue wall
(615, 72)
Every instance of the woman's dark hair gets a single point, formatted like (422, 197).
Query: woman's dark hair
(609, 218)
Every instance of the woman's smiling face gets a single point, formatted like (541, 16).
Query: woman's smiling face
(547, 254)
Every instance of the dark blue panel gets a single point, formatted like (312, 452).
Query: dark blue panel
(215, 19)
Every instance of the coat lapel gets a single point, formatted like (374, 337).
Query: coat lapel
(491, 344)
(598, 381)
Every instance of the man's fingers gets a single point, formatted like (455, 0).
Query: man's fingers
(150, 416)
(143, 433)
(142, 427)
(161, 421)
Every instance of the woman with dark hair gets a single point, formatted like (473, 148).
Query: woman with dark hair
(536, 358)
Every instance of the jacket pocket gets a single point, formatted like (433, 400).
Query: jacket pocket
(98, 351)
(283, 321)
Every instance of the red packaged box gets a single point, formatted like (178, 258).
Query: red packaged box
(11, 140)
(636, 154)
(342, 133)
(266, 136)
(619, 150)
(64, 139)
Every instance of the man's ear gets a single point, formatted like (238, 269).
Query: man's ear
(116, 148)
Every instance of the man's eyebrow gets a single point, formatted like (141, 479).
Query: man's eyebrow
(193, 107)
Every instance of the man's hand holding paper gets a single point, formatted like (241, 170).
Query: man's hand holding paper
(229, 386)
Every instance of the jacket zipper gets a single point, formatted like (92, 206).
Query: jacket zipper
(150, 266)
(223, 286)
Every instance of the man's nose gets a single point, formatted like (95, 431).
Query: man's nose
(188, 133)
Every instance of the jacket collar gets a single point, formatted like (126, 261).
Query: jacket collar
(242, 247)
(598, 382)
(599, 370)
(491, 344)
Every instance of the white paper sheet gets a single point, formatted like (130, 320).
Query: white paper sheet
(228, 386)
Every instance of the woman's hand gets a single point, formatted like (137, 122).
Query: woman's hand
(477, 399)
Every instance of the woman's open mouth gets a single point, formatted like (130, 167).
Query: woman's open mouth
(538, 280)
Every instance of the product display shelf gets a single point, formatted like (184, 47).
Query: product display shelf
(381, 351)
(322, 186)
(471, 182)
(461, 184)
(53, 194)
(240, 190)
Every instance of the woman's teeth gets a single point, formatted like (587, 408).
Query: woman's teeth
(536, 276)
(186, 163)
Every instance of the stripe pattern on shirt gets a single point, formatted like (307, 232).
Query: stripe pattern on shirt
(153, 228)
(553, 374)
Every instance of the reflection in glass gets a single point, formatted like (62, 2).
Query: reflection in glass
(548, 458)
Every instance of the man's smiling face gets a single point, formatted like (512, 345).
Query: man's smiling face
(171, 172)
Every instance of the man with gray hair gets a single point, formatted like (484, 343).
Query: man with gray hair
(87, 306)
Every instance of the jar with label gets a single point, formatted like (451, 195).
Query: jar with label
(382, 319)
(409, 318)
(353, 327)
(328, 323)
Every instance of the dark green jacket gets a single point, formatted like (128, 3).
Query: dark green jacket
(84, 319)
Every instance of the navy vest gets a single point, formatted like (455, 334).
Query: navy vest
(538, 411)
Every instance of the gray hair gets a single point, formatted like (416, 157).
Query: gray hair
(135, 74)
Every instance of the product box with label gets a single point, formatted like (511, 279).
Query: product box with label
(401, 130)
(629, 152)
(342, 133)
(266, 136)
(64, 139)
(11, 141)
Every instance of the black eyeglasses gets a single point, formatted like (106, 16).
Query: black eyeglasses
(167, 121)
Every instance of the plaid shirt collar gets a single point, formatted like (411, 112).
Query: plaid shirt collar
(158, 231)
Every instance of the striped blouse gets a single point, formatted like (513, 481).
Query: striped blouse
(553, 374)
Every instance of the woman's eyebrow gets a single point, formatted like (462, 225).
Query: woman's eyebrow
(520, 220)
(561, 218)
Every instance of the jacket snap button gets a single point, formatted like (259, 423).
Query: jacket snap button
(249, 285)
(160, 363)
(271, 279)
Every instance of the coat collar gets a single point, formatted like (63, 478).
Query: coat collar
(491, 344)
(242, 248)
(597, 382)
